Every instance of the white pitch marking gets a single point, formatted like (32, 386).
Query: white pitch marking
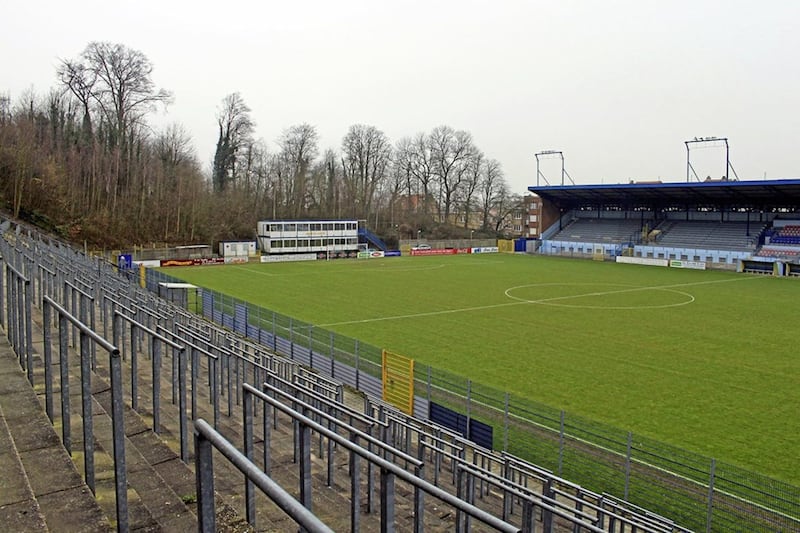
(258, 271)
(549, 301)
(544, 300)
(364, 269)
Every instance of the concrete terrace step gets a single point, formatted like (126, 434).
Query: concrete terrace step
(153, 504)
(43, 489)
(19, 510)
(40, 488)
(161, 487)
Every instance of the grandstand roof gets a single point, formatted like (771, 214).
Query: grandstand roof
(784, 193)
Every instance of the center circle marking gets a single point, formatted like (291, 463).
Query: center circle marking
(556, 301)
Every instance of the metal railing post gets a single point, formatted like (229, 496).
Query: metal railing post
(355, 488)
(213, 391)
(86, 410)
(63, 359)
(505, 423)
(28, 329)
(304, 444)
(628, 467)
(184, 426)
(387, 501)
(118, 428)
(561, 443)
(249, 489)
(155, 347)
(204, 482)
(711, 479)
(134, 344)
(195, 361)
(2, 294)
(48, 359)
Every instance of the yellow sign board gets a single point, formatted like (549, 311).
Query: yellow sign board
(398, 381)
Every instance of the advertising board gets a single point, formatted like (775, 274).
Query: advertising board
(486, 250)
(289, 257)
(193, 262)
(697, 265)
(441, 251)
(642, 261)
(370, 255)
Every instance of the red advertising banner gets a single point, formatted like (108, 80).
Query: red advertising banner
(445, 251)
(192, 262)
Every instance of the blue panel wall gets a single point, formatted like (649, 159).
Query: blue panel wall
(481, 434)
(240, 319)
(448, 418)
(474, 430)
(208, 304)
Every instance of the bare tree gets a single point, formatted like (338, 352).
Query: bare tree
(79, 81)
(450, 151)
(235, 131)
(366, 153)
(402, 162)
(173, 148)
(475, 169)
(414, 155)
(298, 152)
(491, 185)
(5, 108)
(399, 181)
(257, 175)
(116, 80)
(119, 80)
(333, 194)
(504, 205)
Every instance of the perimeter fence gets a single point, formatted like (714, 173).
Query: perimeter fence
(695, 491)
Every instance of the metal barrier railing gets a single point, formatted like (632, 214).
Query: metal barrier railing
(206, 437)
(86, 337)
(81, 304)
(195, 352)
(179, 391)
(18, 311)
(389, 472)
(335, 417)
(2, 285)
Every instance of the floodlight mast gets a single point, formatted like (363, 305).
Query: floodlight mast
(704, 140)
(547, 154)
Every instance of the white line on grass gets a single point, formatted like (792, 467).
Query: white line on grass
(523, 302)
(350, 270)
(258, 271)
(549, 301)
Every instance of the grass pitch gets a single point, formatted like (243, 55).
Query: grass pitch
(704, 360)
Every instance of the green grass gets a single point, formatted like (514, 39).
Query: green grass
(704, 360)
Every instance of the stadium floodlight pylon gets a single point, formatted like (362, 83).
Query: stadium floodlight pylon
(708, 142)
(550, 154)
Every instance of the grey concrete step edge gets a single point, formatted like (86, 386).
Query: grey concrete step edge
(26, 510)
(183, 510)
(143, 514)
(155, 501)
(164, 485)
(64, 501)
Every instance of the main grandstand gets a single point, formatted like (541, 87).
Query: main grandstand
(724, 224)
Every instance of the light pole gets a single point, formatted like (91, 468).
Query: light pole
(419, 236)
(471, 233)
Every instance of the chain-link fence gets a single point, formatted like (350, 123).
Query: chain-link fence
(695, 491)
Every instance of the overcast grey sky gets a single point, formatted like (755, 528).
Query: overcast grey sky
(618, 86)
